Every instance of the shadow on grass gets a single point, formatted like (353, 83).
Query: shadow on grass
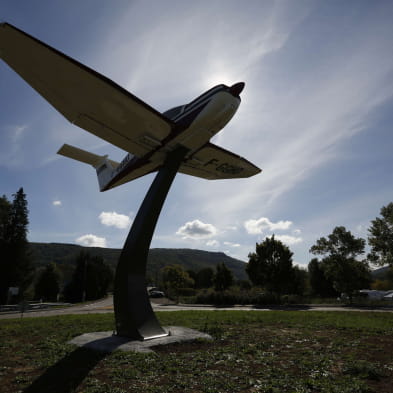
(67, 374)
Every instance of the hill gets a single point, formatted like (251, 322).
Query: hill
(381, 273)
(65, 255)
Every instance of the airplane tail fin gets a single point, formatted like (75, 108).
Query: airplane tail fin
(102, 164)
(104, 172)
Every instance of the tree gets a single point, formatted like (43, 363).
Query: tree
(339, 263)
(299, 282)
(223, 278)
(348, 275)
(339, 243)
(47, 286)
(5, 212)
(16, 262)
(381, 285)
(175, 278)
(90, 280)
(244, 284)
(381, 237)
(192, 274)
(319, 283)
(75, 290)
(99, 278)
(204, 278)
(270, 266)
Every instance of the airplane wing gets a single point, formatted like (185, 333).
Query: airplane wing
(85, 97)
(213, 162)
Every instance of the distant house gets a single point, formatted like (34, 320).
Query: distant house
(374, 294)
(389, 296)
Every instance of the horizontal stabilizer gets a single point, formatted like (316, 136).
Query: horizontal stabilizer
(84, 156)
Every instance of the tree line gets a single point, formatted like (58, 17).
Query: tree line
(339, 266)
(176, 281)
(342, 266)
(90, 280)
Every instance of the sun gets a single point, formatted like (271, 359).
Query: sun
(219, 77)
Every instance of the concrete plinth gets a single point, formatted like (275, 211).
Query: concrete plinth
(107, 342)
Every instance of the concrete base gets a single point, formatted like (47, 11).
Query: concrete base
(107, 342)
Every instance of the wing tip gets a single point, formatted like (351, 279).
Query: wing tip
(63, 149)
(4, 24)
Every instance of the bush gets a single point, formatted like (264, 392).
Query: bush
(186, 292)
(235, 296)
(292, 299)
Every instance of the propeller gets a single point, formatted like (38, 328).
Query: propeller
(237, 88)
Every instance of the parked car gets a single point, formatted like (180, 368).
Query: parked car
(156, 294)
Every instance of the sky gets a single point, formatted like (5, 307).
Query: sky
(316, 116)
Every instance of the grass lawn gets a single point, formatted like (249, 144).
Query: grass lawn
(277, 351)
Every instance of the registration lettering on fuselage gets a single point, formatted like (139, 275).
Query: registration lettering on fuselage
(126, 160)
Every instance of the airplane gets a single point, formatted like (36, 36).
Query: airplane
(105, 109)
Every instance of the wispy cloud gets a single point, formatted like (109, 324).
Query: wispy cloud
(232, 244)
(11, 149)
(216, 45)
(296, 115)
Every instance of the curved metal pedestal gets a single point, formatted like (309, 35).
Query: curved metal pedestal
(133, 312)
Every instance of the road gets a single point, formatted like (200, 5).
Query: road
(106, 306)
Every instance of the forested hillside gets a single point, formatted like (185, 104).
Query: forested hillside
(65, 255)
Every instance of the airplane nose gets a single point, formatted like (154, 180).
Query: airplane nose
(237, 88)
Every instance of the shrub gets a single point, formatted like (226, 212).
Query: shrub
(186, 292)
(235, 296)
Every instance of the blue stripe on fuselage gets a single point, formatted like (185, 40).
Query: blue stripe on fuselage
(192, 110)
(206, 95)
(188, 117)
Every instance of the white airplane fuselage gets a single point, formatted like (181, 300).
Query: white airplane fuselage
(197, 122)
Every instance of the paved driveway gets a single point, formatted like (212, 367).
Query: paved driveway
(106, 306)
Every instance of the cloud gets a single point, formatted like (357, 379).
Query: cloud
(17, 132)
(212, 243)
(113, 219)
(289, 240)
(257, 227)
(12, 152)
(207, 49)
(326, 101)
(232, 244)
(196, 230)
(56, 203)
(90, 240)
